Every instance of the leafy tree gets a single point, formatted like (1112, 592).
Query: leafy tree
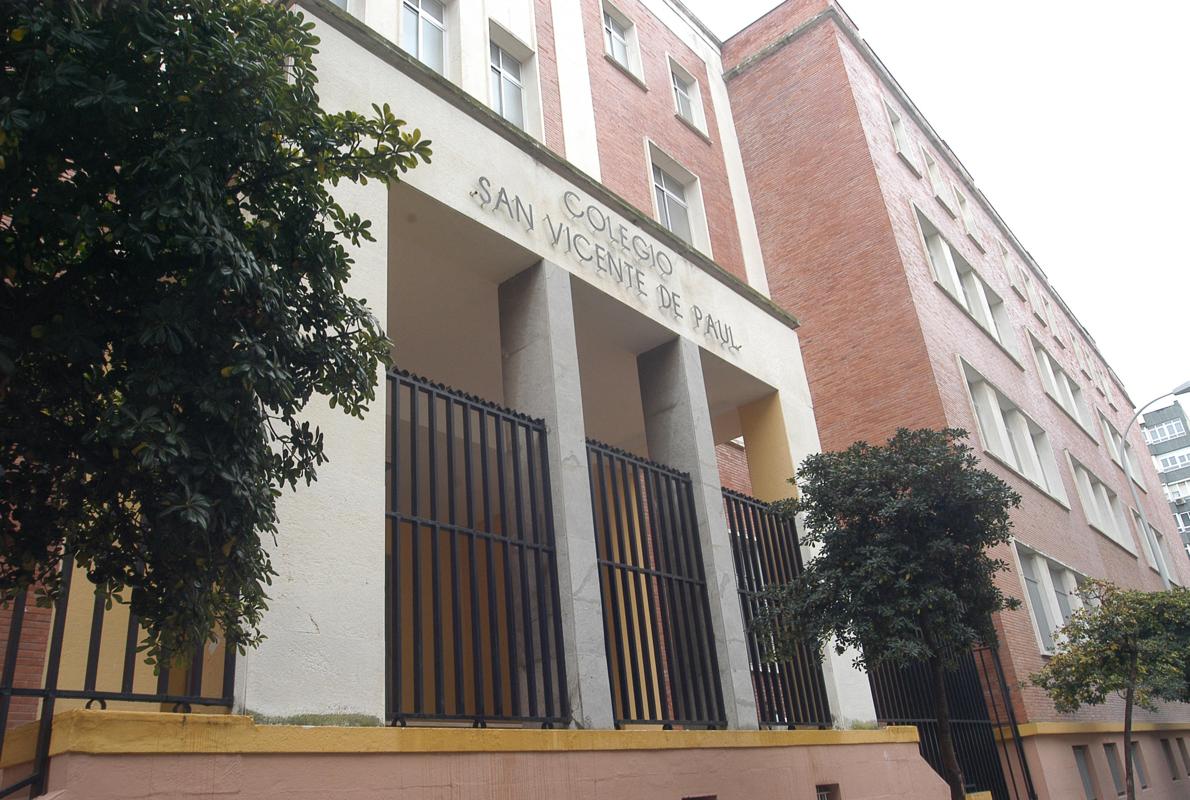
(903, 573)
(173, 294)
(1127, 642)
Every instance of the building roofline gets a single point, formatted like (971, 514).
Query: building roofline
(389, 52)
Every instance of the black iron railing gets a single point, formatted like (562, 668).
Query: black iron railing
(474, 632)
(657, 618)
(983, 725)
(764, 546)
(110, 669)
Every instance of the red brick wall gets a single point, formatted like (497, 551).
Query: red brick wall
(733, 468)
(626, 113)
(770, 27)
(30, 662)
(828, 246)
(547, 75)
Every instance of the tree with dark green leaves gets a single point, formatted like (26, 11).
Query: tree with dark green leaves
(1125, 642)
(174, 293)
(903, 572)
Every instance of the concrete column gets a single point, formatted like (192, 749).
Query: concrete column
(678, 430)
(541, 378)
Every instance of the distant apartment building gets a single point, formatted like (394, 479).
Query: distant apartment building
(647, 273)
(1167, 433)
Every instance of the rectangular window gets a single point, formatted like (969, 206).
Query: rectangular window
(1052, 592)
(423, 31)
(615, 39)
(1145, 545)
(1082, 760)
(1163, 432)
(1046, 625)
(507, 91)
(937, 182)
(1175, 459)
(1012, 437)
(1101, 506)
(1115, 766)
(1138, 766)
(966, 214)
(1177, 490)
(1183, 520)
(899, 132)
(1059, 386)
(682, 98)
(1167, 750)
(967, 287)
(687, 97)
(1112, 440)
(1012, 269)
(1185, 754)
(672, 208)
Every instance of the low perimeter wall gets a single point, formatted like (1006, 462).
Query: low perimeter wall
(102, 755)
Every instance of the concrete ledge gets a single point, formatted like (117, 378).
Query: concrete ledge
(133, 732)
(1073, 728)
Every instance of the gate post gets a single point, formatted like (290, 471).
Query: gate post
(678, 430)
(541, 378)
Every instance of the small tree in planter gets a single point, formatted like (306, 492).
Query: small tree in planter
(902, 573)
(1128, 642)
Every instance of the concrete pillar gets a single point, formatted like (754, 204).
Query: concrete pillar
(541, 378)
(678, 430)
(778, 430)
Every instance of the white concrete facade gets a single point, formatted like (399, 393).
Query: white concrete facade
(325, 651)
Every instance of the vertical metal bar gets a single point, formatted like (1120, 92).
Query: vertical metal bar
(229, 670)
(414, 544)
(682, 698)
(711, 655)
(626, 580)
(514, 680)
(472, 568)
(540, 571)
(514, 428)
(493, 606)
(130, 640)
(41, 758)
(563, 710)
(435, 561)
(196, 669)
(456, 618)
(15, 626)
(93, 642)
(394, 630)
(647, 544)
(639, 585)
(692, 672)
(611, 608)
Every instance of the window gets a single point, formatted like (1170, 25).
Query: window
(1101, 506)
(1058, 385)
(506, 88)
(937, 182)
(1119, 450)
(1183, 520)
(1175, 459)
(1082, 760)
(1164, 431)
(966, 215)
(687, 97)
(423, 31)
(1013, 269)
(963, 283)
(1177, 490)
(1052, 590)
(619, 40)
(1115, 766)
(1138, 766)
(900, 135)
(1012, 437)
(1145, 544)
(672, 209)
(1185, 754)
(1167, 749)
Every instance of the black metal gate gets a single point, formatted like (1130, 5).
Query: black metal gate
(473, 628)
(983, 723)
(109, 670)
(764, 546)
(657, 618)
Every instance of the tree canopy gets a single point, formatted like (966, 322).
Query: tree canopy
(174, 292)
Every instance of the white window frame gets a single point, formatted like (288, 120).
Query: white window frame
(966, 215)
(424, 18)
(938, 184)
(692, 91)
(634, 66)
(522, 53)
(1164, 431)
(1061, 388)
(1177, 490)
(1102, 507)
(1011, 437)
(963, 283)
(902, 141)
(700, 234)
(1052, 578)
(1177, 459)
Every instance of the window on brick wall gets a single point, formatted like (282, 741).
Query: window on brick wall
(507, 90)
(423, 32)
(901, 140)
(1052, 591)
(678, 200)
(1012, 437)
(1167, 750)
(620, 42)
(1115, 766)
(1012, 268)
(966, 216)
(960, 280)
(1185, 754)
(937, 183)
(1086, 772)
(687, 97)
(1119, 450)
(1139, 769)
(1101, 506)
(1061, 387)
(1145, 544)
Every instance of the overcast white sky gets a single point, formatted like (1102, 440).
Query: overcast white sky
(1072, 116)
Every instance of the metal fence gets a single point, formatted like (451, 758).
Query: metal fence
(109, 670)
(657, 618)
(764, 546)
(987, 742)
(473, 627)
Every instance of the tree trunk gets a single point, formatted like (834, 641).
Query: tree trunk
(1129, 780)
(951, 772)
